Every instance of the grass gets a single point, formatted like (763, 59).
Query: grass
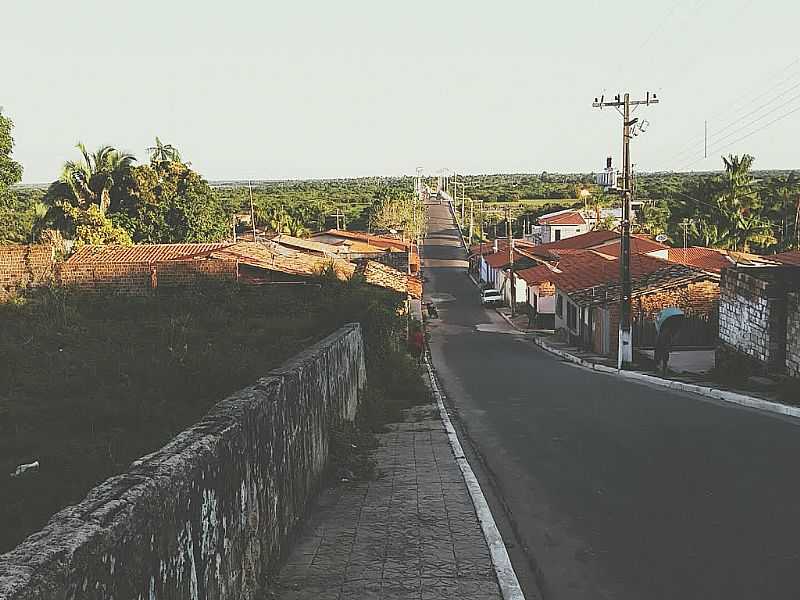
(89, 384)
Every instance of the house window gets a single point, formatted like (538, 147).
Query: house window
(558, 234)
(560, 305)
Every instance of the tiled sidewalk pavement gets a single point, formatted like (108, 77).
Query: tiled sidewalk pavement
(411, 533)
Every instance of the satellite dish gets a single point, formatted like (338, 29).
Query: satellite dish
(661, 238)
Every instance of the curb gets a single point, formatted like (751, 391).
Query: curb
(506, 577)
(708, 392)
(460, 233)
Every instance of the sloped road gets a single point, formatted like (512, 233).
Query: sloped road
(612, 489)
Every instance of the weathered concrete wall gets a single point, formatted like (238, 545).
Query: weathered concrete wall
(793, 335)
(209, 514)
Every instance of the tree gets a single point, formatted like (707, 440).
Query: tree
(740, 206)
(10, 170)
(162, 154)
(13, 211)
(784, 207)
(394, 211)
(90, 180)
(92, 226)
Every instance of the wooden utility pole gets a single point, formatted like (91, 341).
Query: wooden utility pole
(252, 210)
(471, 220)
(629, 129)
(513, 288)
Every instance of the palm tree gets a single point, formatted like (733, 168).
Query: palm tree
(596, 203)
(161, 154)
(782, 191)
(89, 180)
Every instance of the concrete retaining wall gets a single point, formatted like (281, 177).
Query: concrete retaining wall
(207, 515)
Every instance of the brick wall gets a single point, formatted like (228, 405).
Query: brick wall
(139, 279)
(210, 514)
(696, 299)
(22, 266)
(699, 299)
(752, 317)
(793, 334)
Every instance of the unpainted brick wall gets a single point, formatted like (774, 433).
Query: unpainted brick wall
(138, 279)
(694, 299)
(793, 335)
(752, 317)
(209, 514)
(24, 265)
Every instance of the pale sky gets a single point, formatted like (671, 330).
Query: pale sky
(292, 89)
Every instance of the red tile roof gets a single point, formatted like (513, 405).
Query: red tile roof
(536, 275)
(713, 260)
(707, 259)
(639, 244)
(500, 259)
(502, 245)
(381, 275)
(582, 241)
(588, 269)
(143, 253)
(786, 258)
(572, 217)
(272, 257)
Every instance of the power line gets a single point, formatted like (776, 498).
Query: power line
(742, 102)
(744, 137)
(754, 111)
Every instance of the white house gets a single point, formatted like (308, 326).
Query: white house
(561, 225)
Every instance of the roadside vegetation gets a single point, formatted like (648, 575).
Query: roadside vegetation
(108, 196)
(88, 384)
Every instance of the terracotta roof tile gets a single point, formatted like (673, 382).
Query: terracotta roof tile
(142, 253)
(582, 241)
(639, 244)
(588, 269)
(536, 275)
(305, 244)
(572, 217)
(375, 240)
(379, 274)
(273, 257)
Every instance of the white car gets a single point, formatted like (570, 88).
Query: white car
(490, 297)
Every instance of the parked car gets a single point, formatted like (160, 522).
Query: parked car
(491, 297)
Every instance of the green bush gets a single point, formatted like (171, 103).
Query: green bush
(90, 383)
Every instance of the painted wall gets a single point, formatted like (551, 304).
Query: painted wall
(209, 514)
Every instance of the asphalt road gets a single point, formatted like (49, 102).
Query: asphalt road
(608, 488)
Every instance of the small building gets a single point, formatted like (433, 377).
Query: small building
(540, 295)
(395, 252)
(759, 320)
(588, 291)
(561, 225)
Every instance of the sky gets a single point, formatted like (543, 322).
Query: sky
(285, 90)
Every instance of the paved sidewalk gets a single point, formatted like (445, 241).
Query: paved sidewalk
(411, 533)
